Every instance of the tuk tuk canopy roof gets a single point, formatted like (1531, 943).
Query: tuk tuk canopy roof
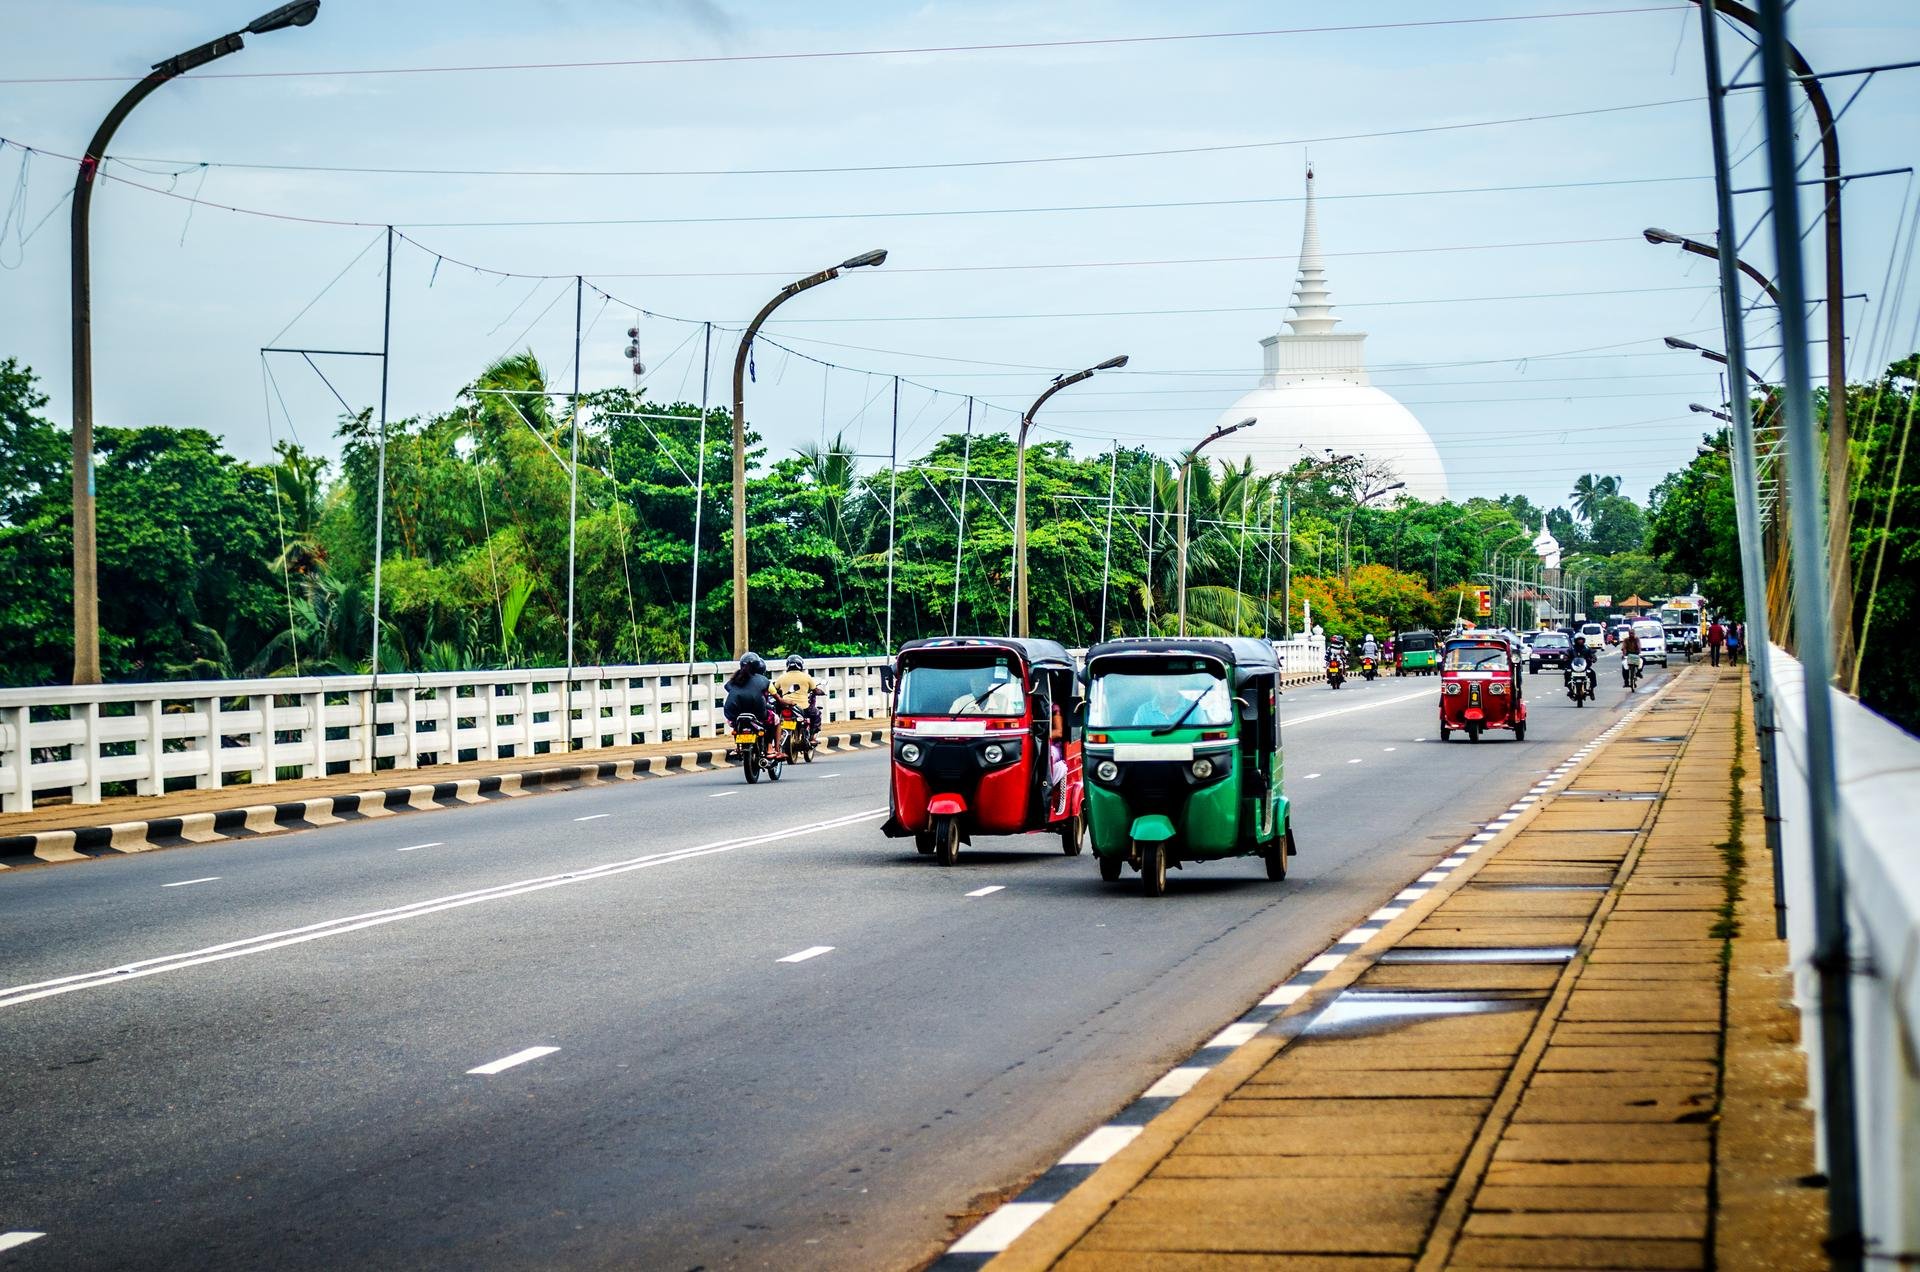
(1418, 633)
(1035, 652)
(1245, 657)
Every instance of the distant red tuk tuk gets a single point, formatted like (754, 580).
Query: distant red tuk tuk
(986, 740)
(1479, 688)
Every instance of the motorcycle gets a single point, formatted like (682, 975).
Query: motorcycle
(796, 735)
(759, 747)
(1581, 681)
(1368, 667)
(1336, 671)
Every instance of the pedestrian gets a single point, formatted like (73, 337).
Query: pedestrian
(1736, 641)
(1716, 637)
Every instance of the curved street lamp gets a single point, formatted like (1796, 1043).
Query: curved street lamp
(86, 569)
(1020, 479)
(876, 257)
(1660, 238)
(1711, 355)
(1180, 517)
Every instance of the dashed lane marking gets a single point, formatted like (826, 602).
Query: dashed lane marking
(722, 794)
(593, 817)
(1354, 760)
(1309, 777)
(8, 1240)
(186, 882)
(417, 847)
(812, 951)
(517, 1058)
(989, 890)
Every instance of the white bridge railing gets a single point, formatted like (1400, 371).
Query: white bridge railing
(150, 738)
(1878, 767)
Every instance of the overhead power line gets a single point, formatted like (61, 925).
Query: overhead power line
(836, 54)
(1099, 156)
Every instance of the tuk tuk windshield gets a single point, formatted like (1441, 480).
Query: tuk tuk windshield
(1477, 658)
(1159, 695)
(987, 687)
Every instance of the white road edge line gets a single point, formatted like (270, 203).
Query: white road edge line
(1102, 1144)
(517, 1058)
(998, 1230)
(417, 847)
(593, 817)
(1290, 721)
(989, 890)
(185, 882)
(14, 995)
(812, 951)
(1176, 1082)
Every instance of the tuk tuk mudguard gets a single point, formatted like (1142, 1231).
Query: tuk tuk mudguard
(1152, 828)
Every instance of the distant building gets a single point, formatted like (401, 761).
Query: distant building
(1315, 392)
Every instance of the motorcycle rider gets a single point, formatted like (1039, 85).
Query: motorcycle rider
(747, 690)
(1630, 660)
(1579, 651)
(799, 690)
(1370, 648)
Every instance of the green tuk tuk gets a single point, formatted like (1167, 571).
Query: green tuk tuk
(1183, 757)
(1416, 653)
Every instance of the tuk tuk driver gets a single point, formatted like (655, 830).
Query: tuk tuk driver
(1001, 697)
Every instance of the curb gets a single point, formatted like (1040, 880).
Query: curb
(252, 822)
(1040, 1223)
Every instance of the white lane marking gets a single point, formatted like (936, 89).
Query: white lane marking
(8, 1240)
(1389, 748)
(1354, 760)
(825, 776)
(1387, 913)
(1285, 996)
(1324, 962)
(1102, 1144)
(593, 817)
(722, 794)
(417, 847)
(989, 890)
(186, 882)
(1309, 777)
(15, 994)
(1236, 1034)
(1365, 706)
(1359, 936)
(1409, 894)
(1419, 739)
(812, 951)
(998, 1230)
(1432, 876)
(519, 1057)
(1177, 1082)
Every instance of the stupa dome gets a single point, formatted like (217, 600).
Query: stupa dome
(1315, 394)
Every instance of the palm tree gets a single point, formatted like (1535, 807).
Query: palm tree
(833, 470)
(1589, 491)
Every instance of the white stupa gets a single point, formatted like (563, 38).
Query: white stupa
(1315, 392)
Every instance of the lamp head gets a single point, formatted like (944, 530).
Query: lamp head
(876, 257)
(297, 14)
(1658, 236)
(1675, 342)
(1112, 364)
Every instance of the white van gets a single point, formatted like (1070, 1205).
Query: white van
(1653, 640)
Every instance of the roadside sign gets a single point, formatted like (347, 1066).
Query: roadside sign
(1603, 601)
(1485, 597)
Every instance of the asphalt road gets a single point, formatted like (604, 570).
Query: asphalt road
(271, 1063)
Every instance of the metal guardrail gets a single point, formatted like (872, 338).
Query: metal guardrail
(1879, 775)
(81, 738)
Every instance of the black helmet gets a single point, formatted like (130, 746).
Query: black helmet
(796, 663)
(752, 662)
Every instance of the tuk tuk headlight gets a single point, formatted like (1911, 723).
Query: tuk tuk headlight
(1203, 768)
(993, 753)
(910, 752)
(1106, 771)
(1453, 688)
(1496, 687)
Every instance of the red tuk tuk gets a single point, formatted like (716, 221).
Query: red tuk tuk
(986, 740)
(1479, 689)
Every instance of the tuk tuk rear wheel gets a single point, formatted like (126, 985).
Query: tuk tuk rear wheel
(1109, 867)
(1073, 834)
(1153, 869)
(1446, 734)
(923, 841)
(1276, 855)
(1520, 731)
(946, 839)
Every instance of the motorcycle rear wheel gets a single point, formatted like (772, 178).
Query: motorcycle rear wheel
(750, 763)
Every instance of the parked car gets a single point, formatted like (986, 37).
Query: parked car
(1550, 649)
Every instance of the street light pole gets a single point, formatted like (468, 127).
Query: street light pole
(1020, 483)
(1180, 518)
(876, 257)
(86, 563)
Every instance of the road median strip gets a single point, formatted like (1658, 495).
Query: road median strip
(1066, 1203)
(81, 843)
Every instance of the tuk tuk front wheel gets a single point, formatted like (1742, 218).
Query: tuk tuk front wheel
(923, 841)
(1073, 833)
(1153, 869)
(1473, 733)
(1109, 866)
(1446, 734)
(946, 839)
(1520, 731)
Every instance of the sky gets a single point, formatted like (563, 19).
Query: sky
(1498, 268)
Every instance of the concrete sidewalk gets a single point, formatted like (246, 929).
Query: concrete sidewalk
(1522, 1069)
(137, 823)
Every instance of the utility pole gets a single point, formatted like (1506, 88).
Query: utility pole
(1152, 474)
(960, 540)
(699, 501)
(1020, 481)
(893, 503)
(1106, 554)
(573, 518)
(380, 503)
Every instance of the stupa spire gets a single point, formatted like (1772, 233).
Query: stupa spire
(1312, 313)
